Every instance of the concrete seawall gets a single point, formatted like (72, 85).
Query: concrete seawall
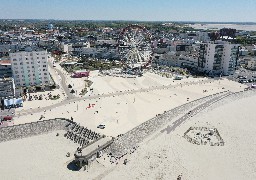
(32, 129)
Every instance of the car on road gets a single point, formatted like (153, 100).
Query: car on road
(101, 126)
(242, 77)
(242, 81)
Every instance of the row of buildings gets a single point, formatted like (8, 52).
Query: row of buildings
(27, 49)
(212, 58)
(24, 69)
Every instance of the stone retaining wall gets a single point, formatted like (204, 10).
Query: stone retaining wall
(130, 139)
(123, 144)
(32, 129)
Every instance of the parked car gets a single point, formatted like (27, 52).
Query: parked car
(242, 77)
(242, 81)
(250, 80)
(101, 126)
(7, 118)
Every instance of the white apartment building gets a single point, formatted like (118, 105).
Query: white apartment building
(30, 68)
(218, 58)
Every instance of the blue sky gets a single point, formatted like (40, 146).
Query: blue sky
(155, 10)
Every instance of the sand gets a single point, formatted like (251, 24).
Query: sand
(220, 26)
(160, 156)
(124, 112)
(38, 157)
(165, 156)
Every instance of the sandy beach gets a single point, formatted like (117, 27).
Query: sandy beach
(125, 111)
(122, 104)
(220, 26)
(165, 156)
(160, 156)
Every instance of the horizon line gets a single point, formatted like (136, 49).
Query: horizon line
(129, 20)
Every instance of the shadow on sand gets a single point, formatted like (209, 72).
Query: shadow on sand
(72, 166)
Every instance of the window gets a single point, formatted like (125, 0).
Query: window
(27, 62)
(44, 65)
(15, 63)
(43, 57)
(45, 73)
(14, 59)
(21, 63)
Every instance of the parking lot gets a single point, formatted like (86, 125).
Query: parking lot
(243, 76)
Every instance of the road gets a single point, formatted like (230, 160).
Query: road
(76, 99)
(62, 82)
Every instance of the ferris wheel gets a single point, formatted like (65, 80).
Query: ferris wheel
(135, 45)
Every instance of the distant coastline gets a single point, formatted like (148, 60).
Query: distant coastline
(183, 22)
(242, 27)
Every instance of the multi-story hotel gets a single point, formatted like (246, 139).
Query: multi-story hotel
(29, 67)
(218, 58)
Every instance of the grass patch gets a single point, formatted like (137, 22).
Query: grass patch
(88, 83)
(54, 97)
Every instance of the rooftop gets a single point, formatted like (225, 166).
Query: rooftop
(5, 62)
